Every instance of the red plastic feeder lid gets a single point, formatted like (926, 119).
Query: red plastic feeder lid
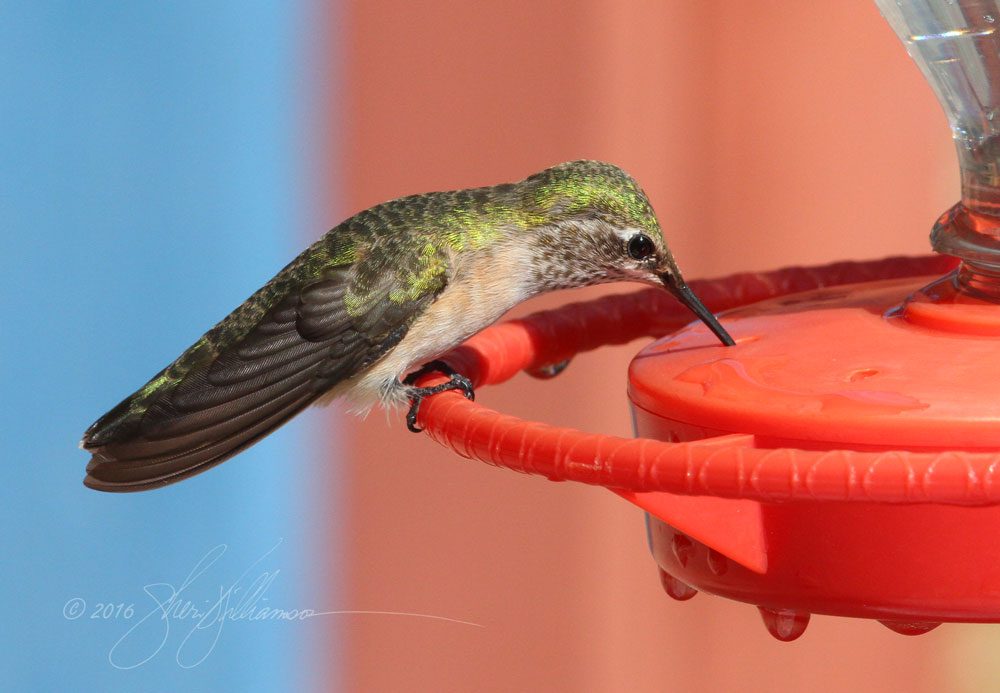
(842, 366)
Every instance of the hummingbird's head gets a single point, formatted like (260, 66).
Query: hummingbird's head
(598, 226)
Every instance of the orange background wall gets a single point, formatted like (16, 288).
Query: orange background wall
(766, 133)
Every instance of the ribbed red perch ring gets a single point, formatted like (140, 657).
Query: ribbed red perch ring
(725, 466)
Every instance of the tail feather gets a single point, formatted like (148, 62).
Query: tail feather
(138, 465)
(208, 405)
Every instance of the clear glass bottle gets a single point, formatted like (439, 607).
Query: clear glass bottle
(956, 44)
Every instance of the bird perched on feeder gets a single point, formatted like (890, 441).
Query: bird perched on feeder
(387, 290)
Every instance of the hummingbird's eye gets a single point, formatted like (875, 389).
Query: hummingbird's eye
(641, 246)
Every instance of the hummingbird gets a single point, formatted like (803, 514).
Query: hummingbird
(390, 288)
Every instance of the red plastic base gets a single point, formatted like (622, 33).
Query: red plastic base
(906, 563)
(849, 367)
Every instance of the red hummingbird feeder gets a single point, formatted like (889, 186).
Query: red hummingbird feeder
(843, 457)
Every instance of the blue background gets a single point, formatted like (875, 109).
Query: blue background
(150, 180)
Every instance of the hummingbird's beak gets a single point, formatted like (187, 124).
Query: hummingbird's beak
(678, 288)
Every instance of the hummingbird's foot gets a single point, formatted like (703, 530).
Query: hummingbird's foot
(456, 381)
(435, 366)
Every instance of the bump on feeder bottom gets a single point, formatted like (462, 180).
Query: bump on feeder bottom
(675, 588)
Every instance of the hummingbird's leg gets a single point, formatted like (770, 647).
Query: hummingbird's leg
(456, 381)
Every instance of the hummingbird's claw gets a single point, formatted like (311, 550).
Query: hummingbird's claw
(456, 381)
(435, 366)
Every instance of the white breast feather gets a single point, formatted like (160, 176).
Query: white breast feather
(477, 295)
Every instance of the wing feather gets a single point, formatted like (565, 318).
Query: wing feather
(237, 384)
